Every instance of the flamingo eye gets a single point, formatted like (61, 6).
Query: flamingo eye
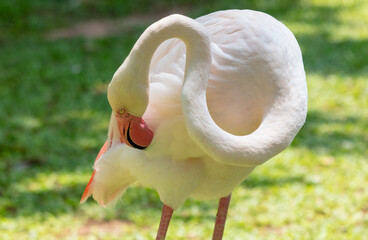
(121, 111)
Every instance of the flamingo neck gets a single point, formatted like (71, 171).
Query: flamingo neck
(201, 127)
(244, 151)
(197, 43)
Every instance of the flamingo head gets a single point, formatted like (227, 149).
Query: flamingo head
(133, 130)
(128, 99)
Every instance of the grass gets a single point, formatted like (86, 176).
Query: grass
(54, 115)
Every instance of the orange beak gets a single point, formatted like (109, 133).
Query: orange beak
(133, 130)
(88, 190)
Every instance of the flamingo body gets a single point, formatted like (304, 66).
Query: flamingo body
(255, 62)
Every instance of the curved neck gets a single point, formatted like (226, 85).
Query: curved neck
(246, 151)
(187, 30)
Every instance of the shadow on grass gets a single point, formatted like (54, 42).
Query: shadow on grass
(325, 56)
(265, 181)
(60, 200)
(333, 135)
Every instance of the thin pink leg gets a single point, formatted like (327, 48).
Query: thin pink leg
(218, 232)
(164, 223)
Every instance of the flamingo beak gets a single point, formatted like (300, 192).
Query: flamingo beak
(89, 189)
(133, 130)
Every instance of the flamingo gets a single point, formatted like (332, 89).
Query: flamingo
(197, 105)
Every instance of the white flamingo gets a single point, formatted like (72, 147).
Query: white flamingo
(222, 94)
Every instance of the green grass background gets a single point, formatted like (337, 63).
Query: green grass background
(54, 116)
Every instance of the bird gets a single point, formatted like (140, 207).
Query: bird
(197, 105)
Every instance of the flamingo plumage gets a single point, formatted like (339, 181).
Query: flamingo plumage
(197, 105)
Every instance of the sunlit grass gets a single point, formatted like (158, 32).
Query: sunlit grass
(54, 116)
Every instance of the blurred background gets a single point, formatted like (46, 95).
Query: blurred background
(56, 59)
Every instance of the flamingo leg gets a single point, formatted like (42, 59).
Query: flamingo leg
(221, 218)
(164, 223)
